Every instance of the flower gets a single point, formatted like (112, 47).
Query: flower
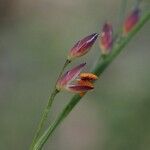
(71, 83)
(131, 21)
(88, 76)
(106, 39)
(79, 88)
(69, 76)
(82, 46)
(86, 79)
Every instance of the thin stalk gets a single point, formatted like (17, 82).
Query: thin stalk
(48, 107)
(44, 117)
(99, 68)
(121, 16)
(38, 146)
(137, 3)
(122, 11)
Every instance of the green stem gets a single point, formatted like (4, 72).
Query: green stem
(137, 3)
(59, 119)
(121, 16)
(99, 68)
(47, 108)
(44, 117)
(122, 10)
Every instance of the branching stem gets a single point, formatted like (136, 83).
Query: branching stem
(99, 68)
(48, 107)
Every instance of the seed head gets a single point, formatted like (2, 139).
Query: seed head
(82, 46)
(106, 39)
(131, 20)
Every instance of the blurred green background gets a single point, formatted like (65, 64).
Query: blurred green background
(35, 36)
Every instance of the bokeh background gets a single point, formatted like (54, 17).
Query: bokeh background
(35, 36)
